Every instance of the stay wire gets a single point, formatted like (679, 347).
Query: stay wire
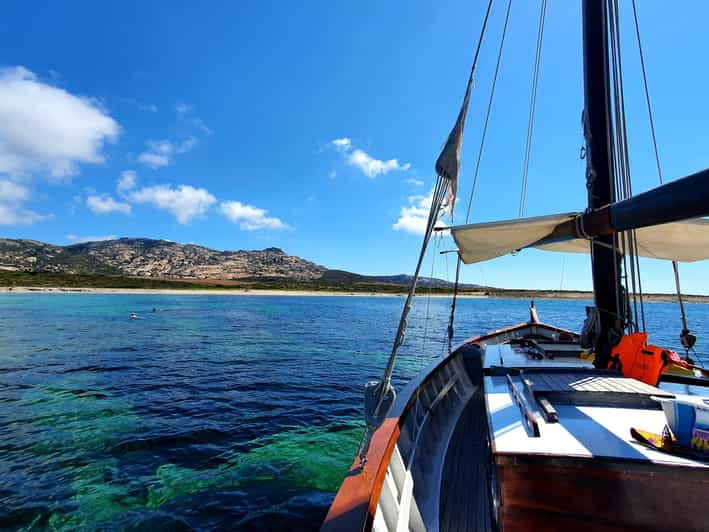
(613, 141)
(487, 114)
(532, 107)
(479, 157)
(635, 257)
(624, 163)
(675, 266)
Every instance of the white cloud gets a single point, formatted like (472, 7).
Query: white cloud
(199, 124)
(186, 145)
(415, 182)
(161, 152)
(81, 239)
(106, 204)
(370, 166)
(414, 217)
(184, 202)
(373, 167)
(12, 196)
(154, 160)
(126, 182)
(46, 129)
(250, 218)
(13, 192)
(343, 144)
(150, 107)
(185, 109)
(332, 174)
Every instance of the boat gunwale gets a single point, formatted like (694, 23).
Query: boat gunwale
(355, 503)
(347, 510)
(356, 500)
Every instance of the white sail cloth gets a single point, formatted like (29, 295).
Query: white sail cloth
(684, 241)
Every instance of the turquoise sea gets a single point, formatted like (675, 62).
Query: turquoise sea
(211, 412)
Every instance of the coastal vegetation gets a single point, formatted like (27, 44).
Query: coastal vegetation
(10, 280)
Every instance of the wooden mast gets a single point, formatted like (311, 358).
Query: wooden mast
(600, 180)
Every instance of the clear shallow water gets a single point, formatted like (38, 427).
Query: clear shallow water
(212, 412)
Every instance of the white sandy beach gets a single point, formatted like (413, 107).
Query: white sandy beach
(209, 292)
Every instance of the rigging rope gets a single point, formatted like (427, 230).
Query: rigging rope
(675, 266)
(487, 113)
(477, 167)
(532, 107)
(437, 242)
(621, 161)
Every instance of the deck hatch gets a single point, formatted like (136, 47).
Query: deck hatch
(591, 388)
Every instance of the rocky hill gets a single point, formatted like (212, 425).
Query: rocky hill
(142, 257)
(161, 259)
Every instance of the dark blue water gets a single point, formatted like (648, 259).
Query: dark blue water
(231, 412)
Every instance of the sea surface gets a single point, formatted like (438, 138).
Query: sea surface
(212, 412)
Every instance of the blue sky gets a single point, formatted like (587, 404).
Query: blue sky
(214, 124)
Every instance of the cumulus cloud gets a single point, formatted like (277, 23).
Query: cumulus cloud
(12, 212)
(414, 216)
(343, 144)
(126, 181)
(415, 182)
(45, 129)
(81, 239)
(183, 108)
(250, 218)
(370, 166)
(162, 152)
(105, 204)
(184, 202)
(159, 153)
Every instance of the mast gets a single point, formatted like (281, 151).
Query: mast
(605, 261)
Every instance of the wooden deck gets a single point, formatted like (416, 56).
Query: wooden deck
(465, 493)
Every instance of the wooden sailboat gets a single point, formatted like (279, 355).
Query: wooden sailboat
(520, 429)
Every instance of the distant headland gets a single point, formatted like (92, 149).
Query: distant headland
(160, 266)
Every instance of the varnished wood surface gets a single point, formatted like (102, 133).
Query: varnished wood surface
(563, 333)
(356, 501)
(548, 493)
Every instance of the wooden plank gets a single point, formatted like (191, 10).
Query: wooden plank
(356, 502)
(465, 503)
(527, 414)
(545, 493)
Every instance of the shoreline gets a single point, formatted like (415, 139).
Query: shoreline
(509, 294)
(212, 291)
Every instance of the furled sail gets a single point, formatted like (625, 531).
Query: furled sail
(448, 163)
(683, 241)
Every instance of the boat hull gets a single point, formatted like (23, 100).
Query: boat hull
(552, 493)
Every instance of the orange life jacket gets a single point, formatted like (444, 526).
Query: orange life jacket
(634, 358)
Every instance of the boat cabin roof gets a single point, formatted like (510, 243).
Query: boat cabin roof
(562, 406)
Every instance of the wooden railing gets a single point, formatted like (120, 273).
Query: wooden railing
(380, 494)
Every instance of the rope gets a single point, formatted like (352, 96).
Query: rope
(623, 176)
(532, 107)
(487, 114)
(675, 266)
(428, 298)
(477, 164)
(438, 196)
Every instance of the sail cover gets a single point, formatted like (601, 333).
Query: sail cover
(684, 241)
